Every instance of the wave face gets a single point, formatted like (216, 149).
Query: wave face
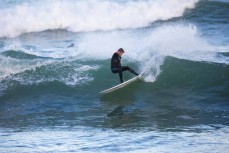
(19, 68)
(90, 53)
(90, 15)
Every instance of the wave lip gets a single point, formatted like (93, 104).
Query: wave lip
(92, 15)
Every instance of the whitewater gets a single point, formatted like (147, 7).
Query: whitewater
(91, 15)
(55, 59)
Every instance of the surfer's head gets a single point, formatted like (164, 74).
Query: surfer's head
(120, 51)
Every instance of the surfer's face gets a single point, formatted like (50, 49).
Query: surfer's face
(120, 53)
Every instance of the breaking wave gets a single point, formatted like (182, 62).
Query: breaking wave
(91, 15)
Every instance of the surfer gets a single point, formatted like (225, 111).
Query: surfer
(116, 66)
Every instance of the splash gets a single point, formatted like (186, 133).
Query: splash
(148, 48)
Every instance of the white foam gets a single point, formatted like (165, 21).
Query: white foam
(90, 15)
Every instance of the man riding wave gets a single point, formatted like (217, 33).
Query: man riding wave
(116, 66)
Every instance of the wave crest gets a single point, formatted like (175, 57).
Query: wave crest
(91, 15)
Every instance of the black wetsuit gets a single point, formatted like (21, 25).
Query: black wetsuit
(116, 66)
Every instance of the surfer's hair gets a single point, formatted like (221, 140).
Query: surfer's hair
(121, 50)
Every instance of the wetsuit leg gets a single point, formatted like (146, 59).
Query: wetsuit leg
(124, 68)
(120, 70)
(120, 76)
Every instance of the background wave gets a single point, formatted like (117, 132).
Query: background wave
(91, 15)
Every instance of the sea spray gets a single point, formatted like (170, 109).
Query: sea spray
(148, 48)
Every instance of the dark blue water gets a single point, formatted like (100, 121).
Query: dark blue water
(55, 59)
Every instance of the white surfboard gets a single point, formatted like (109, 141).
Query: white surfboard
(120, 85)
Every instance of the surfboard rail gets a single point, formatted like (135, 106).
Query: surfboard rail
(119, 85)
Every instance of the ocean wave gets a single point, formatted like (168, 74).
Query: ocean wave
(91, 15)
(148, 48)
(17, 54)
(34, 71)
(193, 74)
(165, 72)
(224, 1)
(88, 140)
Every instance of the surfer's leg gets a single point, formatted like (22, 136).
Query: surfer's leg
(124, 68)
(119, 71)
(120, 76)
